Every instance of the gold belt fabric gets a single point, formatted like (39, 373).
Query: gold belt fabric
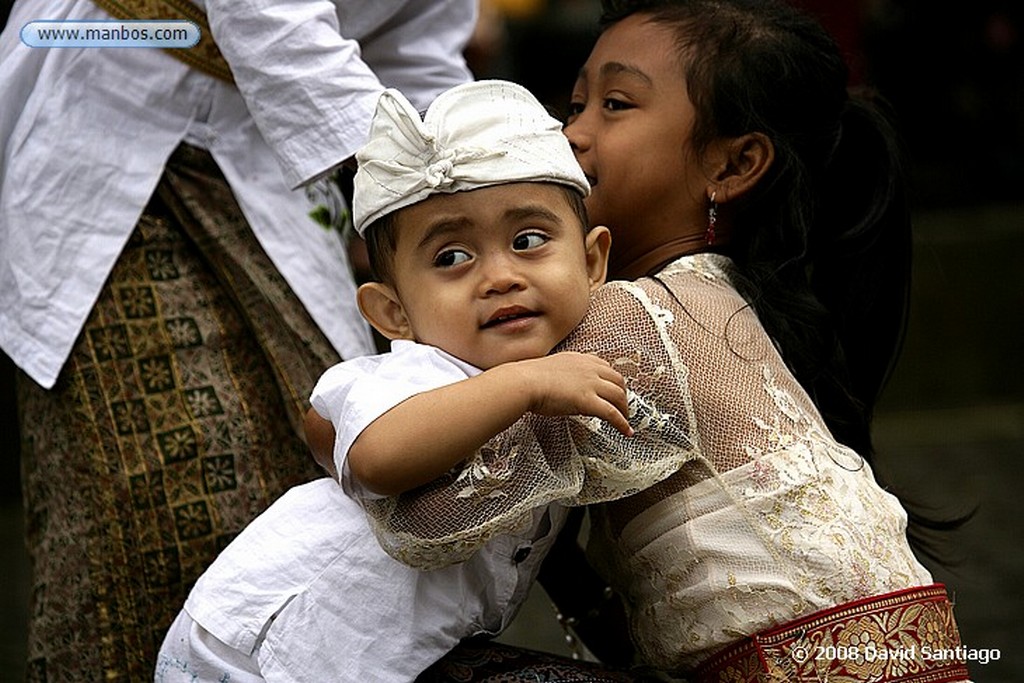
(204, 56)
(909, 636)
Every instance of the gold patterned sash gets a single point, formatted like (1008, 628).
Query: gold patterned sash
(205, 56)
(908, 636)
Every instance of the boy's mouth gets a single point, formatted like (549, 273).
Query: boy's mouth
(508, 314)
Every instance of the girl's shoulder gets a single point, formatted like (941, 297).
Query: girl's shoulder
(693, 291)
(686, 273)
(708, 266)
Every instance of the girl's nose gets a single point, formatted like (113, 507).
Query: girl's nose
(576, 132)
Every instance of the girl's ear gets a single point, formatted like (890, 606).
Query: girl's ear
(380, 305)
(597, 244)
(743, 162)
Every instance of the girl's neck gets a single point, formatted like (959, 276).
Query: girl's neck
(655, 259)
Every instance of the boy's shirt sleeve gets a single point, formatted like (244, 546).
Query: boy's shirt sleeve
(354, 393)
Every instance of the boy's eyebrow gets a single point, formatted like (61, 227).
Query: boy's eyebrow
(532, 211)
(618, 68)
(443, 227)
(448, 226)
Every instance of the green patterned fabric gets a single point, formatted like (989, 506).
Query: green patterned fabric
(172, 425)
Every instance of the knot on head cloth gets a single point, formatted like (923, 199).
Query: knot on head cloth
(475, 135)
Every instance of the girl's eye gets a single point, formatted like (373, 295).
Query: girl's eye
(450, 257)
(529, 240)
(573, 110)
(615, 104)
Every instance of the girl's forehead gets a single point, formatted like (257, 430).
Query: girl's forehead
(639, 45)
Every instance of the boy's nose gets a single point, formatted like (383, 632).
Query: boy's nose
(504, 284)
(500, 276)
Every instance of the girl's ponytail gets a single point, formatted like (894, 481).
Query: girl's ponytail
(860, 264)
(860, 247)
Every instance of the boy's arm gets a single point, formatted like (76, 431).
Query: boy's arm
(320, 439)
(574, 460)
(426, 435)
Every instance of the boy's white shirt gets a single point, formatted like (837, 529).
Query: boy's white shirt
(351, 404)
(308, 592)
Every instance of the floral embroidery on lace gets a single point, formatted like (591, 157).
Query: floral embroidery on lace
(486, 473)
(759, 516)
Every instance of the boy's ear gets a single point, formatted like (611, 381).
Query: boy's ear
(380, 305)
(598, 244)
(742, 163)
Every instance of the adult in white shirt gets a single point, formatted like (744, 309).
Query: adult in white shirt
(166, 294)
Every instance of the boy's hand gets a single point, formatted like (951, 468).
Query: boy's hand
(571, 383)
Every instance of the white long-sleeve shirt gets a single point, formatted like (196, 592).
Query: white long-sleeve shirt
(85, 134)
(305, 592)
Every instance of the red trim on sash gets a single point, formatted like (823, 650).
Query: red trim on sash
(908, 636)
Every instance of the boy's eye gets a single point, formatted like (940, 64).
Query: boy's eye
(529, 240)
(450, 257)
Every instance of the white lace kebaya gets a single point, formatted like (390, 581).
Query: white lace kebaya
(732, 508)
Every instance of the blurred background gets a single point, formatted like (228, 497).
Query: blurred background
(950, 430)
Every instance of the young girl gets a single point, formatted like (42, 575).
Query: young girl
(758, 224)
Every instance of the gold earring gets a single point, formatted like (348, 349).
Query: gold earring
(712, 219)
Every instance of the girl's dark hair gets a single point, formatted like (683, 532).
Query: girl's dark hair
(823, 243)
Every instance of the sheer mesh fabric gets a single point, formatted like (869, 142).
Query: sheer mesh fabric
(772, 518)
(575, 460)
(730, 510)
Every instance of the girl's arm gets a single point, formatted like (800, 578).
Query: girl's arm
(426, 435)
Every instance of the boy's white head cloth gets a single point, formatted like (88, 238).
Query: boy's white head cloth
(475, 135)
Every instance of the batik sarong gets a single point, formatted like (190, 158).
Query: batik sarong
(174, 422)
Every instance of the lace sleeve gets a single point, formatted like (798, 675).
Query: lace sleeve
(574, 460)
(627, 328)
